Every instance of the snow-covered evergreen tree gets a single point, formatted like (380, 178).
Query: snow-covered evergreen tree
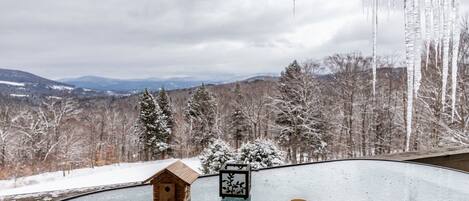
(215, 155)
(164, 102)
(155, 133)
(239, 125)
(201, 114)
(260, 154)
(298, 112)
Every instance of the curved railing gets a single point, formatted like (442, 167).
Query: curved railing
(351, 180)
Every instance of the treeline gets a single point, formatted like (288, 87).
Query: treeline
(308, 114)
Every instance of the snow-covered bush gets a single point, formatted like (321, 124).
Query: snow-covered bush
(215, 155)
(260, 154)
(161, 147)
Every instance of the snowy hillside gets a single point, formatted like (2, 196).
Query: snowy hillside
(15, 83)
(88, 177)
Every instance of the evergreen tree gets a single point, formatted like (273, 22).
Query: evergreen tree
(155, 134)
(260, 154)
(164, 102)
(298, 113)
(215, 156)
(239, 125)
(201, 114)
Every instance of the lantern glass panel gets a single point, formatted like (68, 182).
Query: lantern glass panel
(234, 184)
(234, 180)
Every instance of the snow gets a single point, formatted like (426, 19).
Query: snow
(61, 87)
(88, 177)
(19, 95)
(215, 155)
(353, 180)
(142, 193)
(12, 83)
(55, 97)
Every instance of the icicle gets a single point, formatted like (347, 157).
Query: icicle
(409, 41)
(455, 53)
(294, 8)
(426, 22)
(428, 29)
(418, 42)
(446, 40)
(375, 34)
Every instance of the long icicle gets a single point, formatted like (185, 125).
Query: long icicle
(446, 40)
(375, 34)
(417, 27)
(408, 16)
(455, 54)
(426, 22)
(294, 8)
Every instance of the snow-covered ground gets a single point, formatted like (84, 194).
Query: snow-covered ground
(88, 177)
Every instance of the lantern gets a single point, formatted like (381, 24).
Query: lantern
(235, 181)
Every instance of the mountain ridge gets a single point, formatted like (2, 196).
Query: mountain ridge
(134, 85)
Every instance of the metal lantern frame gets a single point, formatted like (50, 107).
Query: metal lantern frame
(236, 169)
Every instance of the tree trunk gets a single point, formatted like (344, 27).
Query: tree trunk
(293, 154)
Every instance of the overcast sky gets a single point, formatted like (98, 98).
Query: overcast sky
(175, 38)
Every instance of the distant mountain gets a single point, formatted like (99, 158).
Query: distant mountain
(20, 84)
(135, 85)
(15, 83)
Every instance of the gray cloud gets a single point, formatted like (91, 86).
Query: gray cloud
(161, 38)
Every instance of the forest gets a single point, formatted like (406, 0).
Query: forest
(310, 115)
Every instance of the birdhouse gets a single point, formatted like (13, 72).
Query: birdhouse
(235, 181)
(173, 183)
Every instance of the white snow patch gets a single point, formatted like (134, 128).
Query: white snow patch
(12, 83)
(88, 177)
(19, 95)
(55, 97)
(61, 87)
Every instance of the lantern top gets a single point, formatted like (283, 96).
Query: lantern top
(236, 166)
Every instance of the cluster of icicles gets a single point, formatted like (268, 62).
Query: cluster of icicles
(426, 22)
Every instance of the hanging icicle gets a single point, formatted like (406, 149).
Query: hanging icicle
(294, 8)
(427, 22)
(375, 35)
(446, 39)
(409, 41)
(455, 54)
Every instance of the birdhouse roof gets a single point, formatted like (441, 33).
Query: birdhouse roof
(180, 170)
